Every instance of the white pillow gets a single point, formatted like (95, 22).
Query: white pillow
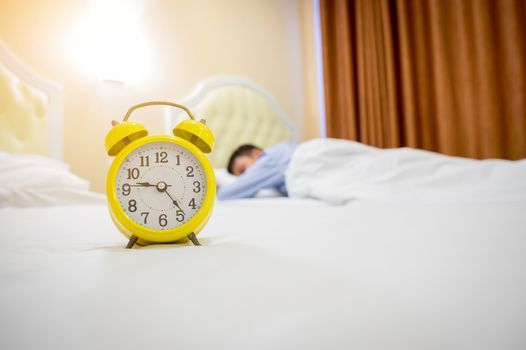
(223, 177)
(30, 180)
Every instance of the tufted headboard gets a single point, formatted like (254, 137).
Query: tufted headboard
(30, 110)
(238, 111)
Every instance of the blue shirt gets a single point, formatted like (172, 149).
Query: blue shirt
(268, 171)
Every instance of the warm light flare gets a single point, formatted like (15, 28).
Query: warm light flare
(109, 41)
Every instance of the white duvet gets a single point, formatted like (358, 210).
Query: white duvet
(339, 172)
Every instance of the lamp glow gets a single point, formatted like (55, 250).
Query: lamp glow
(109, 41)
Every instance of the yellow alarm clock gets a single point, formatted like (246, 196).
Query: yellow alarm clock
(160, 188)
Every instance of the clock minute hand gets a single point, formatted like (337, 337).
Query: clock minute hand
(174, 201)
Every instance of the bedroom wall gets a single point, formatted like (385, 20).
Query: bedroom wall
(180, 42)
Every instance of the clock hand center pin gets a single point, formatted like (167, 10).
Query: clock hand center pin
(161, 186)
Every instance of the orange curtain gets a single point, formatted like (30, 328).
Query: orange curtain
(443, 75)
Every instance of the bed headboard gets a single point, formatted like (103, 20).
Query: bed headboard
(30, 109)
(238, 111)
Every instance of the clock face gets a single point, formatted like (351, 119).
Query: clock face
(161, 185)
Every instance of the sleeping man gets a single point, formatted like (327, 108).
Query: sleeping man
(257, 169)
(341, 171)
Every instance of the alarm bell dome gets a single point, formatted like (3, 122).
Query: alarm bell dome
(197, 133)
(122, 134)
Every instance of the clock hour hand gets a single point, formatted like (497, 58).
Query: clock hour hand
(145, 184)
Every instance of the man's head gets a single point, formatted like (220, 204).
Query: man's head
(243, 158)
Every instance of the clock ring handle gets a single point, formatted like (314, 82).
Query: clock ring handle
(157, 103)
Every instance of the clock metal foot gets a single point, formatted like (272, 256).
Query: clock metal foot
(131, 242)
(193, 238)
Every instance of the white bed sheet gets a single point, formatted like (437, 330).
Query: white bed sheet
(271, 274)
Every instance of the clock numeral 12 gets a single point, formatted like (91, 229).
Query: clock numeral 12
(161, 157)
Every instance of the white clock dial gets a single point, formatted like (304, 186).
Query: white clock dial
(161, 185)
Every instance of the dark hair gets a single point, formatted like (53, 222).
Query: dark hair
(243, 150)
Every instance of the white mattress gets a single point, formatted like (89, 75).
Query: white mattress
(271, 274)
